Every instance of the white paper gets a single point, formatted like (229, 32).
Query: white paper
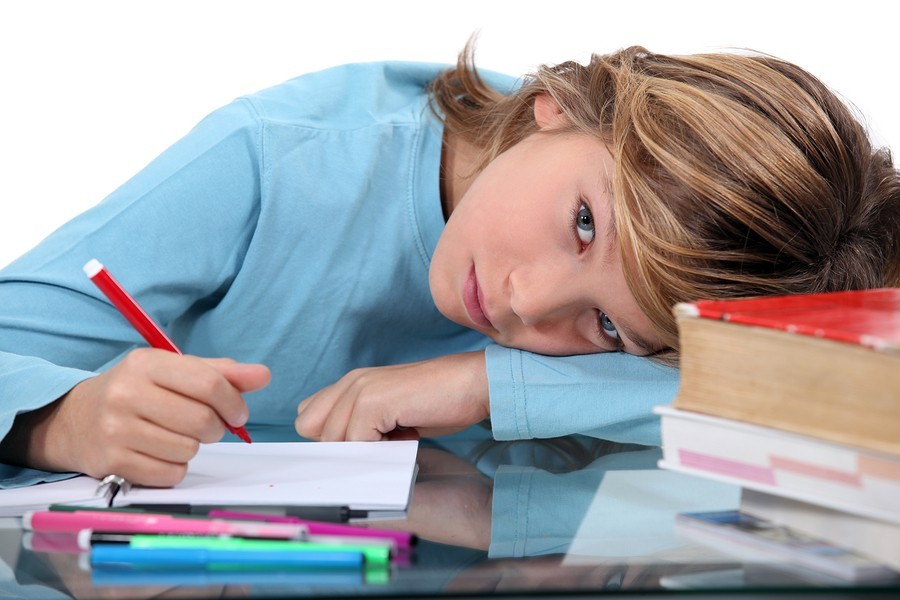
(362, 475)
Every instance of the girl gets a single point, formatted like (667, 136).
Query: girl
(379, 225)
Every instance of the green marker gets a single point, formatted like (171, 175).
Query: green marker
(374, 554)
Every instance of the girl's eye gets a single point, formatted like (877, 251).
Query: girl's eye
(584, 224)
(606, 326)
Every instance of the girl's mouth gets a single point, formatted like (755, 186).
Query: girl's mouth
(474, 301)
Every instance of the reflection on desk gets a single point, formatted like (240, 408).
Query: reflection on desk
(563, 516)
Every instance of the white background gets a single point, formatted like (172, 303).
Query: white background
(92, 90)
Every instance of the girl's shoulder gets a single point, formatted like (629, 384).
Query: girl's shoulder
(357, 94)
(350, 95)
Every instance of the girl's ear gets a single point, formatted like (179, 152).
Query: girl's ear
(547, 113)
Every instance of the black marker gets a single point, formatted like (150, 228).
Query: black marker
(329, 514)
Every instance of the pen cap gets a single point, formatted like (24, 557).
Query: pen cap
(92, 267)
(84, 538)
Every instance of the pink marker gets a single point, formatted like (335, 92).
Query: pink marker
(133, 522)
(138, 318)
(403, 539)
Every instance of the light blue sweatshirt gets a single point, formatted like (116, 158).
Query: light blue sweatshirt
(293, 227)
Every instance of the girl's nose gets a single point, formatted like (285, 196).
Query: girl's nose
(539, 297)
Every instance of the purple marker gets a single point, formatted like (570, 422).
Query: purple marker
(404, 540)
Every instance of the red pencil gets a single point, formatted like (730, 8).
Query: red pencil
(139, 319)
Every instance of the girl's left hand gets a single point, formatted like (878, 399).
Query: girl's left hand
(432, 397)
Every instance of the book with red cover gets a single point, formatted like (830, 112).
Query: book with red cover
(825, 365)
(867, 317)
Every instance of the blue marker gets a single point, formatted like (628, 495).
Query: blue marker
(174, 576)
(121, 555)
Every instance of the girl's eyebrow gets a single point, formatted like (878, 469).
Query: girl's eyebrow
(637, 340)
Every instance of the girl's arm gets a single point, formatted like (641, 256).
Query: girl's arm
(176, 232)
(607, 396)
(526, 396)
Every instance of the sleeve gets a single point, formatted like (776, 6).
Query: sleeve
(607, 396)
(175, 235)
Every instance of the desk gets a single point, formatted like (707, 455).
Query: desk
(493, 518)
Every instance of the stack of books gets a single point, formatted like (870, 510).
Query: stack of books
(797, 400)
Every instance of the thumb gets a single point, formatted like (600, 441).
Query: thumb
(245, 377)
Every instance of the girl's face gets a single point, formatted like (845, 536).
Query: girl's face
(529, 255)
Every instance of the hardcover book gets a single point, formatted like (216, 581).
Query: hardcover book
(824, 365)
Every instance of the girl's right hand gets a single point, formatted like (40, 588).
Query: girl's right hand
(143, 419)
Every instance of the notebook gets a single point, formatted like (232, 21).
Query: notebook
(376, 477)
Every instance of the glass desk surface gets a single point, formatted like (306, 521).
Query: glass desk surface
(563, 517)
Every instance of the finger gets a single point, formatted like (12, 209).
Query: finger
(144, 469)
(245, 377)
(334, 427)
(117, 430)
(136, 401)
(121, 411)
(148, 455)
(158, 473)
(162, 444)
(303, 428)
(194, 378)
(312, 412)
(370, 420)
(181, 415)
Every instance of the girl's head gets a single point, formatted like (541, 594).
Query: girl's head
(731, 175)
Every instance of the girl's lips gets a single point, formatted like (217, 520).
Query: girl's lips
(472, 299)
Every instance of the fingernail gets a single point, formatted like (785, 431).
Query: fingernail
(241, 420)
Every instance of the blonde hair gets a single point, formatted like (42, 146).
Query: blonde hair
(736, 174)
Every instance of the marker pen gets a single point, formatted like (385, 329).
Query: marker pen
(133, 522)
(138, 318)
(109, 575)
(375, 554)
(331, 514)
(403, 539)
(126, 555)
